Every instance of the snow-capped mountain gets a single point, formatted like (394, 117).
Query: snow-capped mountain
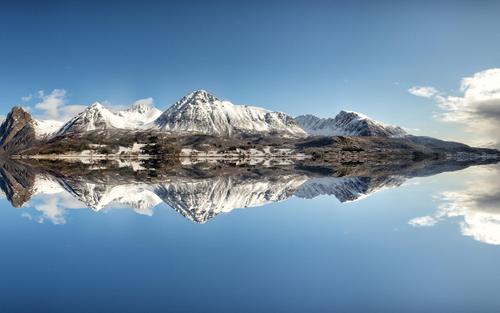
(97, 196)
(347, 189)
(46, 128)
(203, 113)
(228, 125)
(140, 114)
(201, 199)
(96, 117)
(194, 198)
(199, 113)
(347, 123)
(46, 184)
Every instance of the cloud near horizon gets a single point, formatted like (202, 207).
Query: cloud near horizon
(146, 101)
(54, 105)
(476, 206)
(477, 106)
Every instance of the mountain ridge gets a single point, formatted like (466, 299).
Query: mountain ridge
(201, 112)
(200, 123)
(347, 123)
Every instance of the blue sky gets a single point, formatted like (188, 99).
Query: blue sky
(298, 57)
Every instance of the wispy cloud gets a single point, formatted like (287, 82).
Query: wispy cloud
(27, 98)
(423, 221)
(425, 92)
(477, 106)
(51, 103)
(146, 101)
(119, 107)
(54, 105)
(53, 208)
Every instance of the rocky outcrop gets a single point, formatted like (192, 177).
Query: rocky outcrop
(16, 182)
(17, 132)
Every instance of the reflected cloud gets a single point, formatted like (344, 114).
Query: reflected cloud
(201, 191)
(423, 221)
(477, 206)
(52, 205)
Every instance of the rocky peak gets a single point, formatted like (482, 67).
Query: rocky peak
(198, 97)
(202, 113)
(17, 131)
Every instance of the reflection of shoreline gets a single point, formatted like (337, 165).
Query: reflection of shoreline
(197, 157)
(197, 190)
(79, 157)
(477, 206)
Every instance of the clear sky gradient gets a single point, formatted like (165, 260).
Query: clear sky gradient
(298, 57)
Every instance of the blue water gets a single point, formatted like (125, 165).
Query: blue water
(298, 255)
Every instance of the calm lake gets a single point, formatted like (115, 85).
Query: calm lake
(390, 244)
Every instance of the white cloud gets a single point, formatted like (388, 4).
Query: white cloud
(50, 103)
(53, 207)
(54, 105)
(477, 106)
(423, 221)
(477, 206)
(425, 92)
(113, 106)
(27, 98)
(119, 107)
(146, 101)
(69, 111)
(51, 211)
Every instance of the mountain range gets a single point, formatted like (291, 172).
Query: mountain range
(202, 113)
(197, 113)
(200, 121)
(347, 123)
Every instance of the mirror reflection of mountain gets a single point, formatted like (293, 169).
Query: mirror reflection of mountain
(204, 156)
(200, 191)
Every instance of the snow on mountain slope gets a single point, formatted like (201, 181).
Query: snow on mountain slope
(46, 128)
(201, 112)
(347, 189)
(97, 117)
(46, 184)
(139, 197)
(140, 113)
(347, 123)
(201, 199)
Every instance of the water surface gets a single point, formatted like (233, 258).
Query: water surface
(304, 243)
